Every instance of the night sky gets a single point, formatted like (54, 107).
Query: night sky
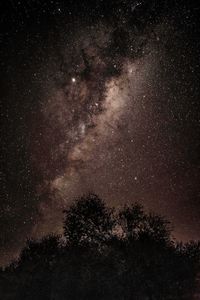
(98, 96)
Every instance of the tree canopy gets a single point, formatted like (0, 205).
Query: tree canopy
(104, 253)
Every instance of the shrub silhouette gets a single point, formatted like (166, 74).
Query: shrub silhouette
(104, 254)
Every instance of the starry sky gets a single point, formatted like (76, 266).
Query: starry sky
(98, 96)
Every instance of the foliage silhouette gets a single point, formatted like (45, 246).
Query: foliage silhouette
(104, 254)
(88, 221)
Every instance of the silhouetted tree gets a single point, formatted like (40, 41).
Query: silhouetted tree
(88, 221)
(35, 266)
(136, 224)
(125, 255)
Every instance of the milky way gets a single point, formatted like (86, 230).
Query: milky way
(104, 105)
(84, 114)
